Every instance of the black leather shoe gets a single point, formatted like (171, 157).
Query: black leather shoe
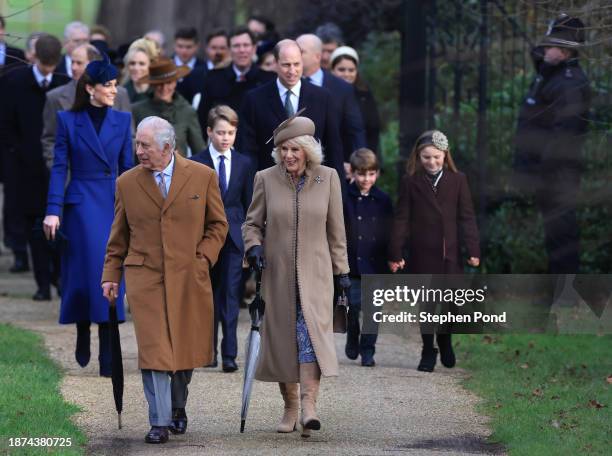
(367, 360)
(157, 434)
(428, 360)
(42, 296)
(447, 355)
(351, 350)
(21, 264)
(179, 421)
(229, 365)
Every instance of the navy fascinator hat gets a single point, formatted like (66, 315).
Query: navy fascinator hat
(102, 71)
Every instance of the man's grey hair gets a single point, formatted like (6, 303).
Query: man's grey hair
(330, 33)
(310, 41)
(163, 131)
(73, 27)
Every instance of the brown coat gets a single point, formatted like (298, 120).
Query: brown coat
(166, 248)
(432, 225)
(277, 218)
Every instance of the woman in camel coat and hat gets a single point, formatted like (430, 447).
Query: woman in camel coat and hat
(294, 231)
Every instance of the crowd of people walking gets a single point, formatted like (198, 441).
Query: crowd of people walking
(158, 177)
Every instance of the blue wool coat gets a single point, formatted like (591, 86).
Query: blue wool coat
(87, 203)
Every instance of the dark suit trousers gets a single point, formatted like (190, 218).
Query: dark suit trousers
(13, 220)
(226, 282)
(178, 386)
(45, 261)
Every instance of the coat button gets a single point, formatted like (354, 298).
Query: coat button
(359, 199)
(358, 258)
(360, 237)
(359, 217)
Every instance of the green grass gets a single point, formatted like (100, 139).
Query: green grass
(47, 16)
(546, 394)
(30, 401)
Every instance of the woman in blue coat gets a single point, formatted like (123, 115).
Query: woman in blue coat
(93, 145)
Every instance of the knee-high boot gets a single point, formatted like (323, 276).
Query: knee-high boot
(310, 376)
(290, 395)
(82, 351)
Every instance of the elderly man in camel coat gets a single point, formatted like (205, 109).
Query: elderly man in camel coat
(168, 230)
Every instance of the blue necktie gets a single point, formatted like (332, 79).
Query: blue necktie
(222, 178)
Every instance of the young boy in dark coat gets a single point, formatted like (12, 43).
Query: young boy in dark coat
(368, 213)
(236, 172)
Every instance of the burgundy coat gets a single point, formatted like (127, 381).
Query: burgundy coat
(434, 226)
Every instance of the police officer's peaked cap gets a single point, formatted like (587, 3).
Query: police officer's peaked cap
(565, 31)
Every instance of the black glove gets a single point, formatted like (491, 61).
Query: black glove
(342, 283)
(255, 258)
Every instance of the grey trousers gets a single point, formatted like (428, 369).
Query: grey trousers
(165, 391)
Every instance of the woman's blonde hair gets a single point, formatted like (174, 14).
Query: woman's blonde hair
(310, 146)
(414, 163)
(144, 45)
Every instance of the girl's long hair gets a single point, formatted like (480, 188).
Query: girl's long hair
(414, 163)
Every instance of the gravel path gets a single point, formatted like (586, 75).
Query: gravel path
(388, 410)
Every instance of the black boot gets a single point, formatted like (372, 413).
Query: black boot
(82, 352)
(105, 357)
(21, 263)
(447, 355)
(428, 355)
(352, 335)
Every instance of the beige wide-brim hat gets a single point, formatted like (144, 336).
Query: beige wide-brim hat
(164, 70)
(292, 128)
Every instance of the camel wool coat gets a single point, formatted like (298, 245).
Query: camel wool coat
(166, 247)
(303, 236)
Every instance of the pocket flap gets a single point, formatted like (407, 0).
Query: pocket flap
(73, 198)
(134, 260)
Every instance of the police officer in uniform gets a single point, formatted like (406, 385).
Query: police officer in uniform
(552, 126)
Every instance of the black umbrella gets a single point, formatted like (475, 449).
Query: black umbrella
(256, 309)
(116, 360)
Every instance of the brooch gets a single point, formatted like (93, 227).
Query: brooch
(318, 179)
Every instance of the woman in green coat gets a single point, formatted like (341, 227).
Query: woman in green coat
(164, 102)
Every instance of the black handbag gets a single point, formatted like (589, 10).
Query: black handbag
(341, 313)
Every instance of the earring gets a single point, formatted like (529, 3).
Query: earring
(91, 97)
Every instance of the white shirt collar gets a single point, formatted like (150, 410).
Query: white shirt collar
(282, 90)
(40, 77)
(316, 78)
(169, 170)
(210, 65)
(2, 52)
(214, 154)
(239, 73)
(68, 66)
(179, 62)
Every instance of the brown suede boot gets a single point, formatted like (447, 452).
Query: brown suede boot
(292, 404)
(310, 375)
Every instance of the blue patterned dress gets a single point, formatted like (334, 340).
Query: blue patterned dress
(306, 353)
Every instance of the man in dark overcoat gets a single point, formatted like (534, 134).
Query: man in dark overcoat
(229, 85)
(350, 121)
(266, 107)
(552, 126)
(26, 175)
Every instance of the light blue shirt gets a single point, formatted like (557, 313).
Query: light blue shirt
(316, 78)
(179, 62)
(167, 172)
(2, 53)
(295, 94)
(215, 154)
(40, 77)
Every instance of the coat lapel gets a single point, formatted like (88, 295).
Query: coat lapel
(147, 181)
(275, 103)
(180, 176)
(89, 135)
(424, 187)
(305, 100)
(108, 132)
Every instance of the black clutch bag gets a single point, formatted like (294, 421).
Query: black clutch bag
(340, 314)
(59, 243)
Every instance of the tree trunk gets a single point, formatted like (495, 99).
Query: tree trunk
(128, 20)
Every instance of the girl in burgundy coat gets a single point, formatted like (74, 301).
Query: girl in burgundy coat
(434, 217)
